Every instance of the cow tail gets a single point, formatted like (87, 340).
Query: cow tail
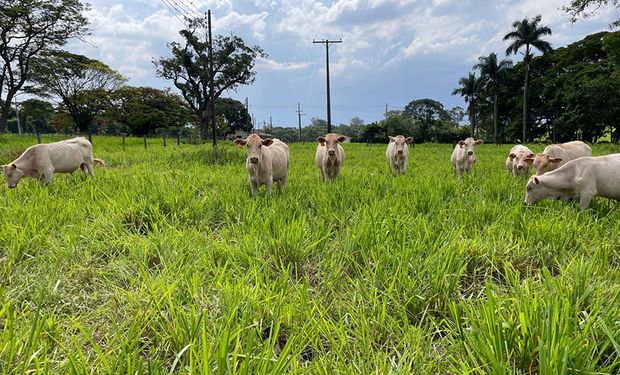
(100, 162)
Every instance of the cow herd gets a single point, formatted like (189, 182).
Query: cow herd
(563, 171)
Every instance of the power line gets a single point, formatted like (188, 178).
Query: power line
(172, 11)
(186, 9)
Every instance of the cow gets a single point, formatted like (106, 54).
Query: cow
(330, 155)
(267, 161)
(554, 156)
(582, 178)
(397, 153)
(43, 160)
(463, 155)
(516, 161)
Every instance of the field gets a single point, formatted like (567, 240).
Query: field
(164, 264)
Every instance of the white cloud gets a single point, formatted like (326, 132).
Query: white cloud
(269, 64)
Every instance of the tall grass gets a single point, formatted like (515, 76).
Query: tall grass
(164, 264)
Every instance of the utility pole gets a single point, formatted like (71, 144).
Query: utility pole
(270, 125)
(299, 119)
(386, 110)
(212, 78)
(329, 110)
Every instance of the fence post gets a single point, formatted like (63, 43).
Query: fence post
(38, 137)
(123, 135)
(164, 139)
(178, 139)
(145, 141)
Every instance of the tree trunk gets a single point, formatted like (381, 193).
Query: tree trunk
(4, 116)
(527, 76)
(204, 128)
(472, 122)
(495, 118)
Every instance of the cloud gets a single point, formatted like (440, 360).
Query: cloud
(272, 65)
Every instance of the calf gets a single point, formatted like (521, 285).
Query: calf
(330, 156)
(268, 161)
(582, 178)
(43, 160)
(463, 155)
(397, 153)
(554, 156)
(516, 162)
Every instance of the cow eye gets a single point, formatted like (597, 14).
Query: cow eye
(529, 188)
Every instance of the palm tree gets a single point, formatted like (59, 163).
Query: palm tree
(469, 90)
(527, 33)
(491, 74)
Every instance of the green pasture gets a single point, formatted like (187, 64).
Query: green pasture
(164, 264)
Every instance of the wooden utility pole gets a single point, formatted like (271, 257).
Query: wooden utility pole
(211, 79)
(329, 110)
(299, 119)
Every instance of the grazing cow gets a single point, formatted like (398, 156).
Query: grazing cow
(268, 161)
(463, 155)
(397, 153)
(330, 155)
(516, 161)
(43, 160)
(582, 178)
(554, 156)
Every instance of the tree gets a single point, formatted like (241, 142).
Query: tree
(491, 74)
(469, 89)
(36, 115)
(425, 114)
(234, 114)
(527, 33)
(142, 110)
(28, 27)
(80, 83)
(580, 8)
(188, 68)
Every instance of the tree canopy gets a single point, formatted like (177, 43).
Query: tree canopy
(189, 68)
(27, 28)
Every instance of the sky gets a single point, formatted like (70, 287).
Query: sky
(392, 51)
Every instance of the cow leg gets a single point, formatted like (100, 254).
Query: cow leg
(584, 200)
(46, 176)
(268, 185)
(87, 168)
(254, 187)
(282, 181)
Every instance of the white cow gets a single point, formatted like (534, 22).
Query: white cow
(463, 155)
(516, 162)
(268, 161)
(43, 160)
(397, 153)
(330, 155)
(554, 156)
(582, 178)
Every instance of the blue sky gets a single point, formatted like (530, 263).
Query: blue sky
(392, 51)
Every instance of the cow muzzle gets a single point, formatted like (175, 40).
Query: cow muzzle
(331, 152)
(253, 160)
(519, 167)
(470, 153)
(12, 186)
(400, 152)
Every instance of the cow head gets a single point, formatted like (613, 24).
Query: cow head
(520, 161)
(330, 141)
(254, 145)
(400, 143)
(536, 190)
(12, 174)
(469, 144)
(543, 163)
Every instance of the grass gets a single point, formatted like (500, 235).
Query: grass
(164, 264)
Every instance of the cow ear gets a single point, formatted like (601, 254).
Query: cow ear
(479, 141)
(555, 160)
(392, 139)
(239, 142)
(321, 140)
(409, 140)
(267, 142)
(529, 161)
(461, 143)
(536, 180)
(13, 166)
(512, 156)
(342, 138)
(530, 155)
